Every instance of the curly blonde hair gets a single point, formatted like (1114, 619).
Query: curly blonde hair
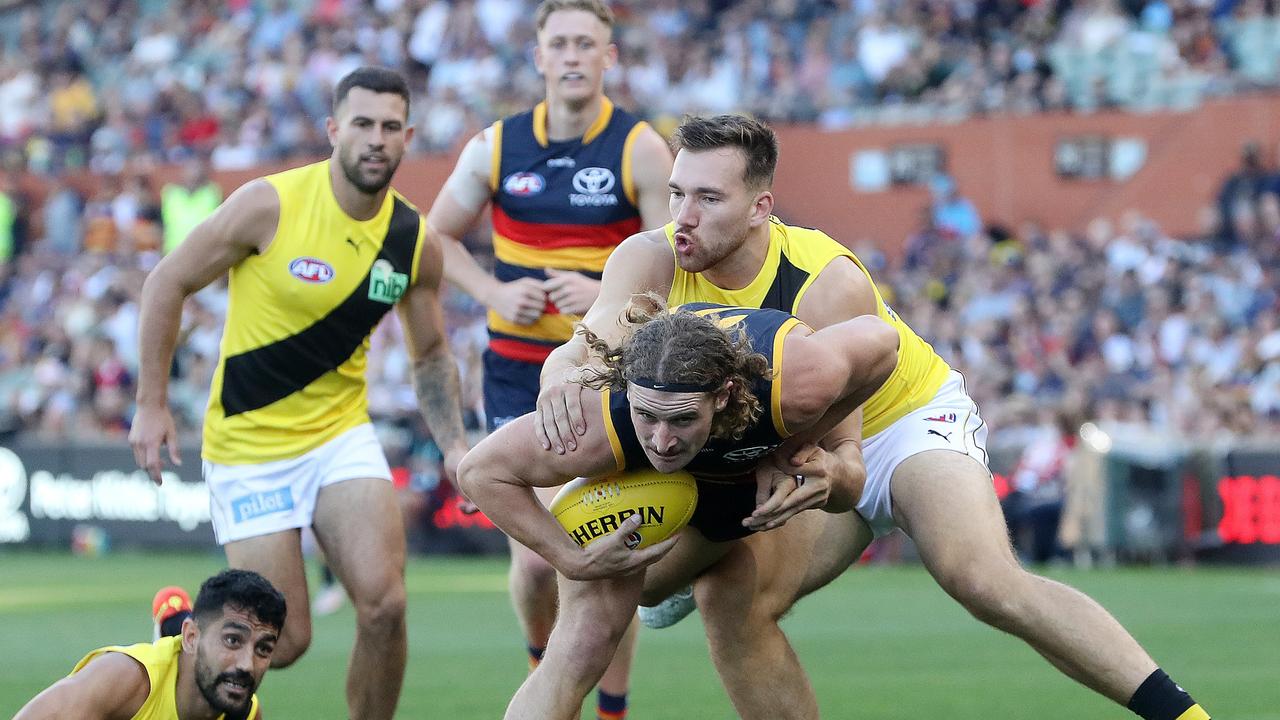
(680, 347)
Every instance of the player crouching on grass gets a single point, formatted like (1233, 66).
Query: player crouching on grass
(709, 389)
(208, 672)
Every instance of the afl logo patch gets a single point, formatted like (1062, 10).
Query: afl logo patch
(524, 184)
(309, 269)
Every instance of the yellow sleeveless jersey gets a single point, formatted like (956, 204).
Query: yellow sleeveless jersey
(796, 256)
(291, 372)
(160, 659)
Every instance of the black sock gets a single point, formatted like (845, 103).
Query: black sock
(326, 575)
(173, 625)
(535, 656)
(1160, 698)
(609, 706)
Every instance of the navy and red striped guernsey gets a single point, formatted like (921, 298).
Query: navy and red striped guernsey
(563, 205)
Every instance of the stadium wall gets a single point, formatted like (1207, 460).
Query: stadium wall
(1007, 167)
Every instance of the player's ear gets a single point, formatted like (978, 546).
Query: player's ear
(331, 129)
(610, 56)
(722, 396)
(190, 634)
(762, 208)
(538, 59)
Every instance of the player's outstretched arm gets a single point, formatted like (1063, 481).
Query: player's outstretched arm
(111, 687)
(832, 469)
(642, 263)
(435, 374)
(499, 475)
(827, 376)
(455, 211)
(831, 373)
(244, 224)
(829, 453)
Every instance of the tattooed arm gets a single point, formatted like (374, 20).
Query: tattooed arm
(435, 374)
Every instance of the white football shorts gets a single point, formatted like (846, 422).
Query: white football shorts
(262, 498)
(949, 422)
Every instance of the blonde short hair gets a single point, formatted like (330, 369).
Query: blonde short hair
(595, 7)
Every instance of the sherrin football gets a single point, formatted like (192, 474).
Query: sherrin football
(590, 508)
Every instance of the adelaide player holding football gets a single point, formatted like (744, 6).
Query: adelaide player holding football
(921, 465)
(709, 389)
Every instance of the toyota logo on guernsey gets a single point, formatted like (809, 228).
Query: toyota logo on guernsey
(524, 184)
(309, 269)
(593, 185)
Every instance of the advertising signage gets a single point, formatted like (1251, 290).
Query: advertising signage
(48, 491)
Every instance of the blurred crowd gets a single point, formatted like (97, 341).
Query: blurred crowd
(69, 348)
(101, 84)
(1118, 321)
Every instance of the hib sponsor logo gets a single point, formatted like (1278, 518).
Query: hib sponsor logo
(524, 184)
(262, 503)
(309, 269)
(385, 284)
(593, 185)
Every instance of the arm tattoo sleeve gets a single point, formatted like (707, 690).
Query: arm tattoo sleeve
(435, 379)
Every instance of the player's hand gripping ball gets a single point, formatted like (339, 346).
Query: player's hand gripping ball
(589, 509)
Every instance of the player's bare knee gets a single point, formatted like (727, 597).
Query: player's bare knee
(382, 611)
(653, 596)
(767, 603)
(292, 645)
(595, 650)
(533, 568)
(995, 598)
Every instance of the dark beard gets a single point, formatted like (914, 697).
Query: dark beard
(353, 176)
(209, 689)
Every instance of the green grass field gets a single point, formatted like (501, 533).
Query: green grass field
(879, 643)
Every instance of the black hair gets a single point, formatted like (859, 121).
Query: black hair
(241, 590)
(372, 77)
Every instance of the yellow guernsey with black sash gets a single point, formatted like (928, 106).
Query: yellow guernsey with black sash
(796, 256)
(160, 659)
(291, 374)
